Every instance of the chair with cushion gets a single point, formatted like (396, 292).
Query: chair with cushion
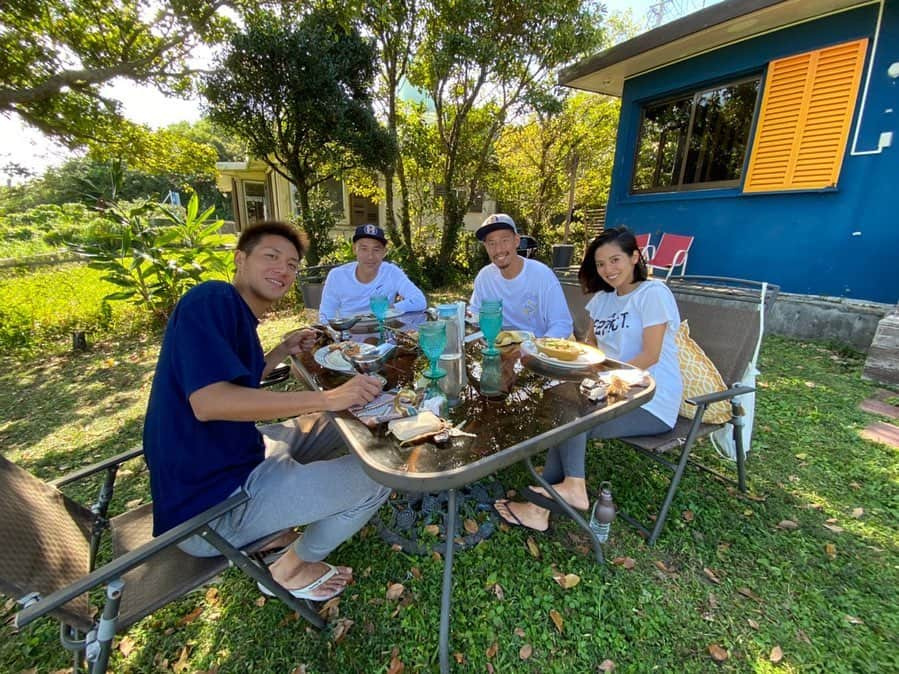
(719, 345)
(671, 254)
(48, 560)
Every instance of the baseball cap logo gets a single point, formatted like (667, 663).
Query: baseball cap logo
(370, 229)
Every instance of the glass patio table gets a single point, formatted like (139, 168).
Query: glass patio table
(537, 405)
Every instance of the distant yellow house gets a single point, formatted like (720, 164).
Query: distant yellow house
(258, 193)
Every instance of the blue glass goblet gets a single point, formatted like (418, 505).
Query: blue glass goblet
(379, 305)
(432, 340)
(490, 320)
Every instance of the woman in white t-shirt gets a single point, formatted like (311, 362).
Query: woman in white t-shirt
(634, 320)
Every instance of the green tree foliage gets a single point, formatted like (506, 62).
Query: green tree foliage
(538, 158)
(155, 253)
(56, 55)
(299, 92)
(481, 62)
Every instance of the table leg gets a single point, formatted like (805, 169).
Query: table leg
(571, 512)
(446, 594)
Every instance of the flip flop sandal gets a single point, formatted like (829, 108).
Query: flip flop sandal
(544, 501)
(515, 521)
(306, 592)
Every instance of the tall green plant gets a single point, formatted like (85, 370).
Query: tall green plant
(155, 253)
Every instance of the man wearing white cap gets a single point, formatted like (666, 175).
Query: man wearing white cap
(532, 296)
(348, 287)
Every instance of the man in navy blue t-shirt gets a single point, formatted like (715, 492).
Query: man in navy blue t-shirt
(201, 442)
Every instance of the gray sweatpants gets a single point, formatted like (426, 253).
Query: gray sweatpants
(567, 459)
(302, 481)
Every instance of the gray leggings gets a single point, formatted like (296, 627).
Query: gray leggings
(568, 458)
(302, 481)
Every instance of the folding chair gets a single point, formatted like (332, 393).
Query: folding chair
(49, 550)
(726, 318)
(644, 246)
(672, 253)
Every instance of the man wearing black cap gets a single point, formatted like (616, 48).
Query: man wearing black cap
(348, 287)
(532, 296)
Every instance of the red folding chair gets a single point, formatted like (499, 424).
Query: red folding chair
(644, 246)
(671, 253)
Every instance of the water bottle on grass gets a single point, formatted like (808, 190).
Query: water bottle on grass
(603, 513)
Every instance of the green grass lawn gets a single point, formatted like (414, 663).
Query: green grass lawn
(807, 567)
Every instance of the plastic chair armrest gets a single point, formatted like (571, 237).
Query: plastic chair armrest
(717, 396)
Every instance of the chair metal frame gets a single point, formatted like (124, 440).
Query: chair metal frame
(672, 252)
(53, 593)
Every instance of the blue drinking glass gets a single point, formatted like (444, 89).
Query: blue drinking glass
(432, 340)
(490, 320)
(379, 305)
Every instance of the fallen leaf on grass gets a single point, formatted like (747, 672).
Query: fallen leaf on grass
(498, 591)
(802, 636)
(858, 512)
(830, 550)
(789, 525)
(396, 547)
(833, 527)
(415, 572)
(662, 566)
(471, 526)
(490, 669)
(433, 529)
(182, 664)
(525, 651)
(752, 623)
(532, 547)
(855, 485)
(518, 632)
(396, 665)
(260, 601)
(711, 575)
(212, 595)
(626, 562)
(300, 669)
(776, 655)
(459, 658)
(566, 580)
(190, 617)
(852, 620)
(557, 619)
(749, 594)
(330, 610)
(133, 503)
(688, 515)
(491, 650)
(606, 666)
(340, 629)
(126, 645)
(395, 591)
(718, 654)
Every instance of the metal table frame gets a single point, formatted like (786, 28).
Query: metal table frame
(358, 436)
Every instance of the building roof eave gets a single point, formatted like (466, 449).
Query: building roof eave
(706, 30)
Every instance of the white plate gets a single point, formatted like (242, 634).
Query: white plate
(588, 356)
(333, 359)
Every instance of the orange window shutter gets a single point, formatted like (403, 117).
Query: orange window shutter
(805, 118)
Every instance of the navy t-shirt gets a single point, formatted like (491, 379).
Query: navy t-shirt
(210, 337)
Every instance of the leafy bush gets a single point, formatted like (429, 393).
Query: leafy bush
(155, 253)
(41, 309)
(48, 227)
(318, 223)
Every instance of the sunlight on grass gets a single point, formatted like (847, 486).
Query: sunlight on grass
(731, 573)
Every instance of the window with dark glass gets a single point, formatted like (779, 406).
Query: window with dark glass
(697, 140)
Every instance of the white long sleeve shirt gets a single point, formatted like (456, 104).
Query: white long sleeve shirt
(345, 294)
(532, 301)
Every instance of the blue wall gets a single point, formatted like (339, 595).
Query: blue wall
(841, 242)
